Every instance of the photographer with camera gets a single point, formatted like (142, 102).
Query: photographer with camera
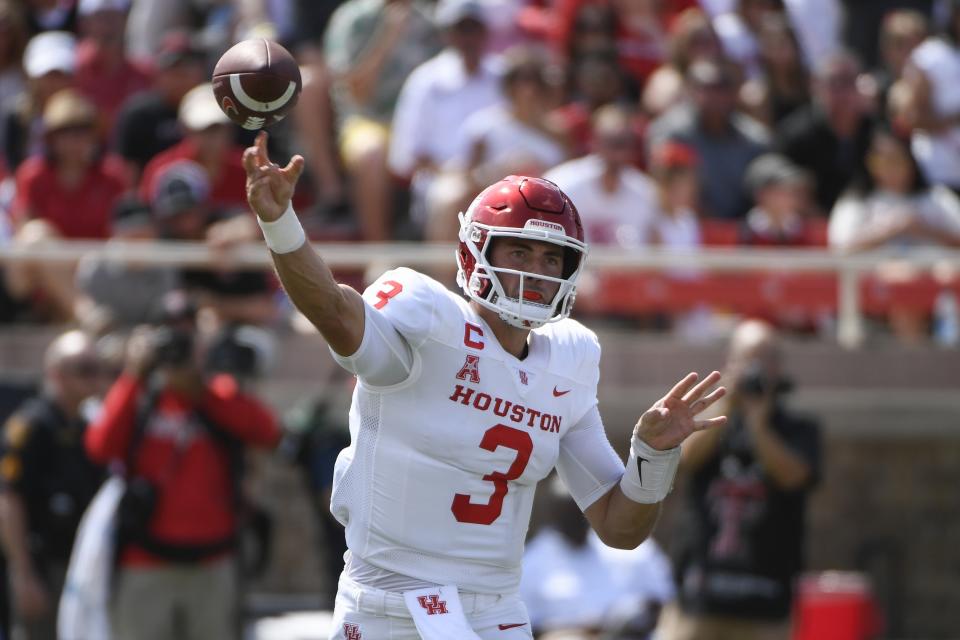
(747, 486)
(177, 433)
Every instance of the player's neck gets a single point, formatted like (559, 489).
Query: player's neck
(512, 339)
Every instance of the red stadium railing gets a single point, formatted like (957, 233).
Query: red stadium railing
(756, 281)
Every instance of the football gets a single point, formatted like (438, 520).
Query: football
(256, 83)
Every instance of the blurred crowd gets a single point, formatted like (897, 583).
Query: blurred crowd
(671, 123)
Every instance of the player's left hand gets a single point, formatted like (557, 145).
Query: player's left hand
(673, 417)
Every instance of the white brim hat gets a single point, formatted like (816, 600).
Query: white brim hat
(50, 51)
(199, 109)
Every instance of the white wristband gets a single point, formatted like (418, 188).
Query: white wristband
(649, 475)
(285, 234)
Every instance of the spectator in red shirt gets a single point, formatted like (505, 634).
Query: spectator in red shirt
(67, 192)
(71, 186)
(104, 74)
(208, 141)
(179, 436)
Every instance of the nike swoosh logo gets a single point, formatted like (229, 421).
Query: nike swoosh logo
(640, 462)
(557, 394)
(504, 627)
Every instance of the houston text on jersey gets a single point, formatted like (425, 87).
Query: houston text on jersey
(506, 409)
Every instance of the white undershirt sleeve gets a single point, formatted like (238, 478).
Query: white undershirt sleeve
(384, 357)
(588, 465)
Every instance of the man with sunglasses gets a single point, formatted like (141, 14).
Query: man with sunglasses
(46, 482)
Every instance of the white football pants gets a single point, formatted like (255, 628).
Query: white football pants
(364, 613)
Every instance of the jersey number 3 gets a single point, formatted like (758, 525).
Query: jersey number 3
(498, 436)
(383, 297)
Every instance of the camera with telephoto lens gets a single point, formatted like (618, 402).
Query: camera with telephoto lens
(755, 382)
(172, 346)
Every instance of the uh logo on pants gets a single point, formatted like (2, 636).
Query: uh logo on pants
(433, 604)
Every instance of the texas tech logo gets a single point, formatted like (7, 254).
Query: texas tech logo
(351, 631)
(433, 604)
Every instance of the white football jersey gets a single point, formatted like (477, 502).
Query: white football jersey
(438, 481)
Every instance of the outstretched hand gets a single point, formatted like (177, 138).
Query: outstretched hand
(673, 417)
(269, 186)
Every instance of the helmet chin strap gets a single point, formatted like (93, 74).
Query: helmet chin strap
(516, 316)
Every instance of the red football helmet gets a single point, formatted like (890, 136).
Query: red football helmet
(520, 207)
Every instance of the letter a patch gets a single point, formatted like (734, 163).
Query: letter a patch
(470, 369)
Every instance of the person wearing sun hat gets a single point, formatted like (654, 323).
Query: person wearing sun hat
(72, 186)
(66, 190)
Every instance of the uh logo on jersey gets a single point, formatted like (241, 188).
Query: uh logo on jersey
(513, 411)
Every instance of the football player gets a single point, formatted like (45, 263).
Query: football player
(462, 406)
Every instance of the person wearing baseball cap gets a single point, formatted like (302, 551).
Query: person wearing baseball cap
(179, 201)
(48, 52)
